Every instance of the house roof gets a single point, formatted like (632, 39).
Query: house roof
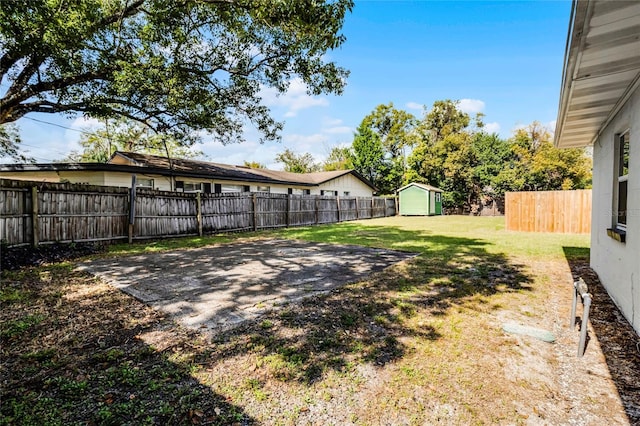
(129, 162)
(230, 172)
(423, 186)
(601, 68)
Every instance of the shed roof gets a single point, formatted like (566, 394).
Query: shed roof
(601, 68)
(423, 186)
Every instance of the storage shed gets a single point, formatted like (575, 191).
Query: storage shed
(419, 199)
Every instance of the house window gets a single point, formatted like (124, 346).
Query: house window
(327, 192)
(144, 183)
(306, 192)
(346, 193)
(621, 181)
(263, 188)
(192, 187)
(224, 188)
(438, 197)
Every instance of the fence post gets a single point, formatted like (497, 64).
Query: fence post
(317, 208)
(357, 203)
(35, 222)
(288, 210)
(338, 203)
(132, 207)
(254, 203)
(372, 206)
(199, 212)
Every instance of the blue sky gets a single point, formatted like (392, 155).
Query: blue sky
(501, 58)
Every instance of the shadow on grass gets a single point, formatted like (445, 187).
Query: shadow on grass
(618, 341)
(74, 353)
(370, 322)
(71, 355)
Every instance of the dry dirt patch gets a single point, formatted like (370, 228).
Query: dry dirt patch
(214, 287)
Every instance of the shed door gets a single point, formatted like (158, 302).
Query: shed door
(432, 202)
(414, 202)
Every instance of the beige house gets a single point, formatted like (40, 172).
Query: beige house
(191, 176)
(600, 107)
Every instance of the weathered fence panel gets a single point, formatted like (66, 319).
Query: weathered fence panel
(549, 211)
(302, 210)
(33, 213)
(364, 208)
(390, 207)
(327, 209)
(15, 208)
(226, 212)
(348, 209)
(271, 210)
(164, 214)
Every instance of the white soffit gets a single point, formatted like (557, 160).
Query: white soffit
(602, 68)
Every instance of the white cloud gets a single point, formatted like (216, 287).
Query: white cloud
(517, 127)
(295, 99)
(338, 130)
(330, 122)
(414, 105)
(492, 127)
(304, 142)
(86, 124)
(471, 106)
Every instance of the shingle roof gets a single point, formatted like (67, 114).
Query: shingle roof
(226, 171)
(130, 162)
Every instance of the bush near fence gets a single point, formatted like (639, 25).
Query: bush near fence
(549, 211)
(73, 212)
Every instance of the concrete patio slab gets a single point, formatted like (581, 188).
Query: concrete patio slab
(220, 286)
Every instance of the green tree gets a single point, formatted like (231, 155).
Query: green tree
(339, 159)
(545, 167)
(10, 143)
(443, 155)
(127, 135)
(494, 162)
(297, 163)
(173, 65)
(448, 163)
(368, 156)
(394, 128)
(254, 165)
(445, 118)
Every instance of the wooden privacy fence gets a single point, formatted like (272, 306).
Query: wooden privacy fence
(33, 213)
(549, 211)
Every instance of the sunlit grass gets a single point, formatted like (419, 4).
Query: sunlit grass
(425, 234)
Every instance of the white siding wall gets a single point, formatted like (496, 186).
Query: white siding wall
(162, 183)
(618, 264)
(347, 183)
(33, 176)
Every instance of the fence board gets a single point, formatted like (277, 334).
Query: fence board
(566, 212)
(68, 212)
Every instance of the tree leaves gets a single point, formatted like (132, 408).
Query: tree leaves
(175, 66)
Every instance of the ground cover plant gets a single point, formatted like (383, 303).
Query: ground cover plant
(421, 342)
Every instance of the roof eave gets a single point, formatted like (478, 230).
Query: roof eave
(601, 69)
(579, 10)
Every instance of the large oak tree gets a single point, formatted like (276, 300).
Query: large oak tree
(178, 66)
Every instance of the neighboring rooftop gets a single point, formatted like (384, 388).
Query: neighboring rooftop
(130, 162)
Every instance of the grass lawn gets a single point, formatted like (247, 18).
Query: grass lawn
(419, 343)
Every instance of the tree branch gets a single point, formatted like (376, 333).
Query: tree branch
(11, 101)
